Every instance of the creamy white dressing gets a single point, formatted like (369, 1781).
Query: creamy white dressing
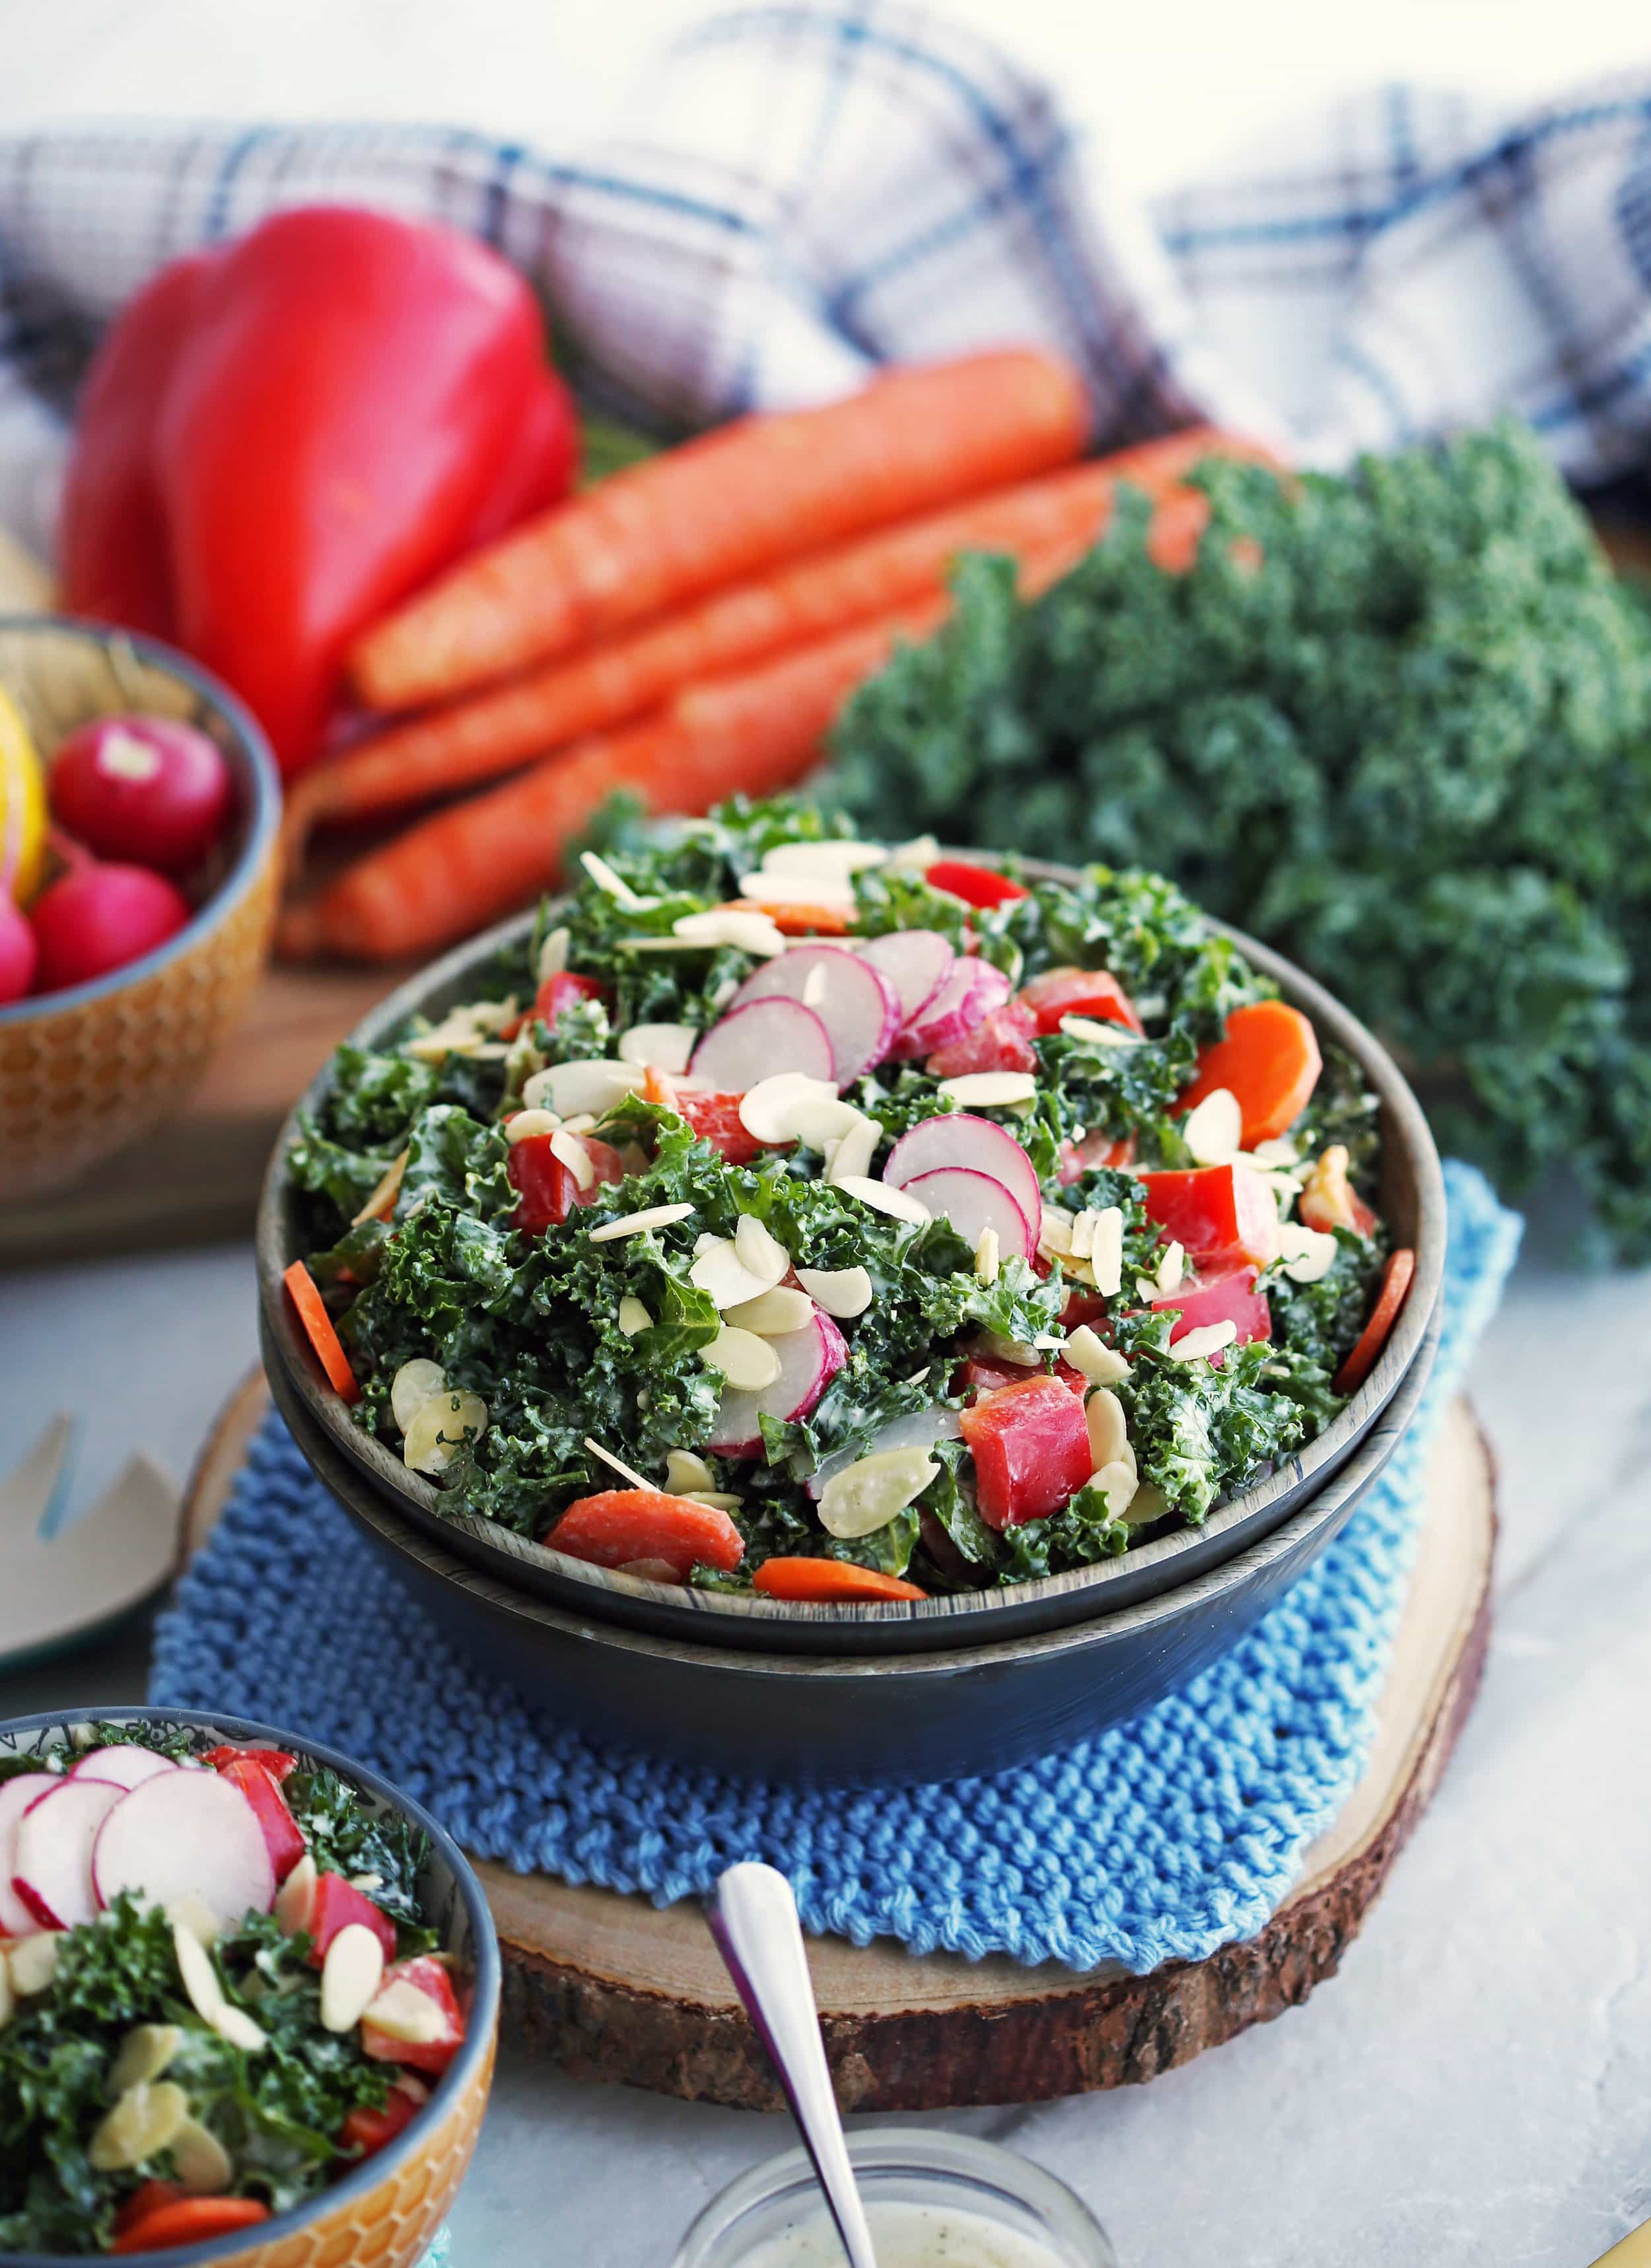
(908, 2236)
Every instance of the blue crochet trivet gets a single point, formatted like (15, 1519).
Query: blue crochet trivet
(1163, 1838)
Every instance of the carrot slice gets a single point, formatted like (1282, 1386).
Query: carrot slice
(725, 506)
(792, 918)
(617, 1526)
(318, 1326)
(830, 1583)
(1396, 1282)
(1268, 1057)
(190, 2221)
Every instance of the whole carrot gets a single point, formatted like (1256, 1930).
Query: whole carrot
(495, 732)
(724, 507)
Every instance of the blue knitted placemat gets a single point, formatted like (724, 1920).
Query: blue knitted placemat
(1162, 1838)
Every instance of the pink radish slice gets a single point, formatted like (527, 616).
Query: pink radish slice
(52, 1864)
(808, 1360)
(16, 1795)
(184, 1832)
(968, 997)
(915, 962)
(127, 1766)
(756, 1040)
(979, 1145)
(973, 1201)
(857, 1004)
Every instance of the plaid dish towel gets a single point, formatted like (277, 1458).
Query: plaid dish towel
(804, 191)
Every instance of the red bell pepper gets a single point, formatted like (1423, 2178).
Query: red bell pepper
(1226, 1299)
(282, 1838)
(976, 886)
(1031, 1449)
(279, 440)
(564, 989)
(1216, 1212)
(337, 1905)
(716, 1119)
(368, 2131)
(549, 1190)
(1090, 992)
(426, 1975)
(276, 1761)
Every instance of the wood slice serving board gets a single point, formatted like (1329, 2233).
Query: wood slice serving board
(609, 1987)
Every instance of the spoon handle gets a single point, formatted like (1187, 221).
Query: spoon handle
(754, 1920)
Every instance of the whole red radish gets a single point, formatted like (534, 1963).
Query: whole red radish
(144, 789)
(19, 952)
(96, 918)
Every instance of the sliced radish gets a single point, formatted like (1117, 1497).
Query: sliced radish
(915, 962)
(980, 1144)
(126, 1766)
(52, 1863)
(918, 1429)
(16, 1795)
(758, 1038)
(808, 1360)
(184, 1834)
(973, 1201)
(967, 998)
(857, 1004)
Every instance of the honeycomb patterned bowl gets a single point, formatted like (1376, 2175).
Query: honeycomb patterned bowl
(383, 2212)
(85, 1072)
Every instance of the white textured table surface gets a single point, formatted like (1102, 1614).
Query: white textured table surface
(1475, 2087)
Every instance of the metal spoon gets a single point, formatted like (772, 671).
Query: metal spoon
(754, 1921)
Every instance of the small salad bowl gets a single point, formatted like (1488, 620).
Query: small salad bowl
(87, 1070)
(386, 2208)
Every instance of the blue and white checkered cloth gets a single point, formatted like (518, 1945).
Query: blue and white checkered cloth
(808, 188)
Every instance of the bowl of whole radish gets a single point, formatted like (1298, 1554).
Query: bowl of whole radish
(139, 824)
(249, 1996)
(965, 1236)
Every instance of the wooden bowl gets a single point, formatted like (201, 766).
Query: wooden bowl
(386, 2210)
(1413, 1200)
(86, 1071)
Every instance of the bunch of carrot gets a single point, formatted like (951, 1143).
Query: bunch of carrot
(688, 628)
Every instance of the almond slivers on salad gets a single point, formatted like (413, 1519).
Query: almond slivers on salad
(219, 1988)
(795, 1214)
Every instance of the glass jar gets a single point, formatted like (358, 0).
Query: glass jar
(901, 2165)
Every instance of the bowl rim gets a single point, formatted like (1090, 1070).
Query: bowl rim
(361, 2179)
(1315, 1461)
(263, 815)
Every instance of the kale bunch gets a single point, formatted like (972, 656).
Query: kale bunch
(1398, 723)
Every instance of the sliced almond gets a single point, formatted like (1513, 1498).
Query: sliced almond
(295, 1900)
(722, 1276)
(238, 2027)
(204, 2166)
(922, 851)
(767, 1110)
(991, 1090)
(1055, 1228)
(386, 1190)
(32, 1962)
(146, 2119)
(633, 1316)
(439, 1428)
(817, 1124)
(986, 1257)
(837, 858)
(1171, 1267)
(636, 1223)
(190, 1910)
(668, 1047)
(1094, 1032)
(1088, 1353)
(1021, 1353)
(1214, 1129)
(746, 1361)
(1106, 1251)
(1209, 1338)
(593, 1083)
(772, 1314)
(568, 1151)
(1108, 1428)
(401, 2012)
(843, 1292)
(759, 1251)
(899, 1204)
(553, 953)
(350, 1976)
(856, 1147)
(205, 1994)
(866, 1495)
(686, 1473)
(754, 933)
(143, 2054)
(1119, 1485)
(719, 1499)
(627, 1473)
(531, 1125)
(412, 1387)
(806, 885)
(367, 1883)
(614, 884)
(1309, 1254)
(1083, 1228)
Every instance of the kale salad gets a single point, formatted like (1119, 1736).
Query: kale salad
(219, 1988)
(788, 1213)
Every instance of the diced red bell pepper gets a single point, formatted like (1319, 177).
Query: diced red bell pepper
(1031, 1450)
(976, 886)
(715, 1118)
(549, 1190)
(282, 1838)
(1000, 1041)
(337, 1905)
(429, 1976)
(148, 2197)
(1077, 1158)
(368, 2131)
(190, 2221)
(617, 1526)
(1228, 1299)
(1081, 1308)
(276, 1761)
(1091, 992)
(1216, 1212)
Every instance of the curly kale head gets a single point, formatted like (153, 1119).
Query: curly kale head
(1398, 723)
